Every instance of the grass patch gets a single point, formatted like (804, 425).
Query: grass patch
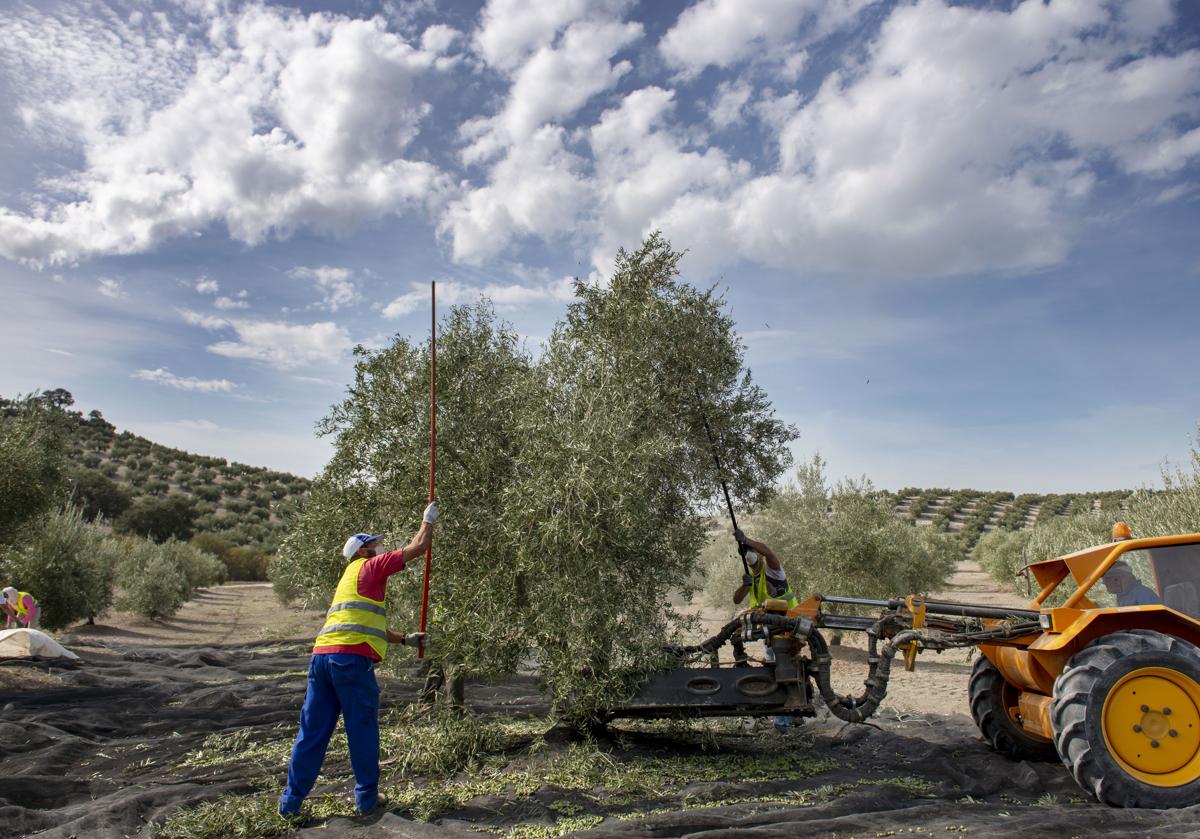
(244, 745)
(246, 817)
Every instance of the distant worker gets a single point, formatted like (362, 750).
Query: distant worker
(341, 675)
(21, 609)
(1121, 582)
(765, 580)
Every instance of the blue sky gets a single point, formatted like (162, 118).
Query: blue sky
(960, 240)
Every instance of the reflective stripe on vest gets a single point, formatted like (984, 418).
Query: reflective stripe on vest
(352, 618)
(365, 605)
(759, 594)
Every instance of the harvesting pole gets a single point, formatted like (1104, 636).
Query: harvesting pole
(432, 451)
(724, 488)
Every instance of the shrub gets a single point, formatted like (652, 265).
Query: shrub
(1002, 554)
(246, 563)
(156, 487)
(840, 540)
(207, 493)
(32, 465)
(66, 564)
(200, 568)
(152, 584)
(160, 519)
(96, 495)
(1176, 509)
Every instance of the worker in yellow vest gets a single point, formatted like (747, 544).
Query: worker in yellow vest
(341, 675)
(764, 579)
(20, 609)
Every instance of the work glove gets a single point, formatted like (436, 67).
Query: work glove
(739, 537)
(413, 639)
(746, 580)
(431, 513)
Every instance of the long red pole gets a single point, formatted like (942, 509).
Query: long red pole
(432, 450)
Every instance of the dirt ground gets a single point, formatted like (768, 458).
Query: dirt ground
(202, 708)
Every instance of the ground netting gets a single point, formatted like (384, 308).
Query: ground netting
(103, 752)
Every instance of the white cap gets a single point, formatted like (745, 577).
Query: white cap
(357, 541)
(10, 593)
(752, 558)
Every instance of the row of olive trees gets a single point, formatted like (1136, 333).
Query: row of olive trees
(78, 570)
(72, 565)
(842, 539)
(1173, 509)
(572, 485)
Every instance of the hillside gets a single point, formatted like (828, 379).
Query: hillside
(115, 473)
(970, 513)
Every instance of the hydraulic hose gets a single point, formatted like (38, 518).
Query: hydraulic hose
(862, 707)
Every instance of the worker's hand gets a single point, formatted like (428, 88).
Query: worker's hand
(739, 537)
(413, 639)
(431, 513)
(746, 581)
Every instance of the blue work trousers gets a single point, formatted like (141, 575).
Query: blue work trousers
(338, 684)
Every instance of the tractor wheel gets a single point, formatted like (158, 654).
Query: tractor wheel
(1126, 717)
(991, 697)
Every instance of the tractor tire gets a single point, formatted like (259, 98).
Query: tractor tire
(991, 697)
(1126, 718)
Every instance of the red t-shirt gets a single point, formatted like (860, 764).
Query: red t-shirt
(372, 583)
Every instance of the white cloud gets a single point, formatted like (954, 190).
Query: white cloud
(505, 297)
(264, 121)
(110, 288)
(511, 30)
(211, 322)
(206, 286)
(731, 97)
(968, 157)
(285, 346)
(438, 39)
(649, 177)
(539, 188)
(237, 301)
(163, 376)
(725, 32)
(559, 56)
(336, 285)
(554, 83)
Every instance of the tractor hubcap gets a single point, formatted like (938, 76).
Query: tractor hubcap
(1151, 723)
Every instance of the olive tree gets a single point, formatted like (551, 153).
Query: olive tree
(609, 509)
(32, 463)
(62, 560)
(573, 486)
(377, 481)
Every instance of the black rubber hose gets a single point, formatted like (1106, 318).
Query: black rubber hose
(860, 708)
(800, 626)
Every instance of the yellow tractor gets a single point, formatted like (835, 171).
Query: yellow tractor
(1114, 691)
(1111, 690)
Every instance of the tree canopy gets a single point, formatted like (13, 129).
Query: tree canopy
(573, 485)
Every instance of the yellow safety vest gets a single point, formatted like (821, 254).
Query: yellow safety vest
(352, 618)
(25, 601)
(758, 591)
